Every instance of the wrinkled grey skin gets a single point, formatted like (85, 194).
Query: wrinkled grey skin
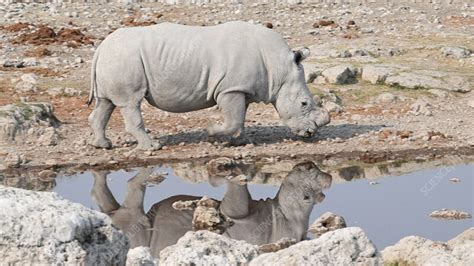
(180, 68)
(258, 222)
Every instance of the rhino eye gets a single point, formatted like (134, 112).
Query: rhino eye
(304, 103)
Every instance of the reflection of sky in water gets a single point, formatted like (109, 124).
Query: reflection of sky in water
(387, 212)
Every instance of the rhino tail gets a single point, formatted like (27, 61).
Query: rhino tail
(93, 90)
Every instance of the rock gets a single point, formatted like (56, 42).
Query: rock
(47, 174)
(456, 52)
(454, 180)
(43, 228)
(415, 250)
(423, 81)
(376, 74)
(421, 107)
(460, 239)
(448, 214)
(16, 119)
(25, 87)
(207, 248)
(327, 222)
(333, 107)
(470, 103)
(277, 246)
(439, 93)
(340, 74)
(49, 137)
(64, 92)
(385, 98)
(140, 256)
(348, 246)
(12, 160)
(30, 78)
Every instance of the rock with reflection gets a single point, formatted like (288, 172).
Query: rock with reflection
(327, 222)
(255, 221)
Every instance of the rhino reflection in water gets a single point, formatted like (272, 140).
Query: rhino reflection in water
(255, 221)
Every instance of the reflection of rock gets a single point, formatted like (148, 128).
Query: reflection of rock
(207, 248)
(448, 214)
(207, 215)
(346, 246)
(327, 222)
(420, 251)
(277, 246)
(351, 172)
(30, 183)
(140, 256)
(42, 228)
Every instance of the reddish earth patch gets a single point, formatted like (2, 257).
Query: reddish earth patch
(45, 35)
(133, 21)
(456, 21)
(324, 23)
(38, 52)
(16, 27)
(41, 71)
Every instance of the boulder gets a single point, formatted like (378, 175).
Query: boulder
(140, 256)
(207, 248)
(348, 246)
(423, 81)
(43, 228)
(327, 222)
(17, 119)
(421, 107)
(340, 74)
(25, 87)
(376, 74)
(385, 98)
(415, 250)
(456, 52)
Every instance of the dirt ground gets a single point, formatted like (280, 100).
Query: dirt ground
(363, 128)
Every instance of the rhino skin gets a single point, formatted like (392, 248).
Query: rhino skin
(180, 68)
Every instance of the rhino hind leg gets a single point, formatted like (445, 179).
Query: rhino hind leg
(233, 108)
(98, 120)
(134, 125)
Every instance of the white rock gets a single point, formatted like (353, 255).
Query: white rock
(386, 98)
(421, 107)
(348, 246)
(457, 52)
(30, 78)
(376, 74)
(421, 251)
(25, 87)
(43, 228)
(207, 248)
(340, 74)
(140, 256)
(449, 214)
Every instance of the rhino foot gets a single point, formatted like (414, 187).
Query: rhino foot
(102, 143)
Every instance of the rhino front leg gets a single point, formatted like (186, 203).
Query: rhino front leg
(98, 120)
(233, 108)
(135, 126)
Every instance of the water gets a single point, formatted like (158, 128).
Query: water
(390, 208)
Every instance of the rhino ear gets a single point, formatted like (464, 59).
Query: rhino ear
(300, 55)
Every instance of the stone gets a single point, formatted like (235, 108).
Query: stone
(333, 107)
(386, 98)
(25, 87)
(17, 119)
(439, 93)
(456, 52)
(416, 250)
(12, 160)
(49, 137)
(140, 256)
(277, 246)
(424, 81)
(470, 103)
(340, 74)
(327, 222)
(449, 214)
(348, 246)
(30, 78)
(376, 74)
(421, 107)
(47, 174)
(43, 228)
(207, 248)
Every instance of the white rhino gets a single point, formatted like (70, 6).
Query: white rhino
(180, 68)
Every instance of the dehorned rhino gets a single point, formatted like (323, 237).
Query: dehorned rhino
(180, 68)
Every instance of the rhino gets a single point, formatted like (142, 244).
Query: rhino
(255, 221)
(179, 68)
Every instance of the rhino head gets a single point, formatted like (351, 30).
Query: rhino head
(294, 102)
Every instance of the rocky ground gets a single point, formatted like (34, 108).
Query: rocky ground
(397, 79)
